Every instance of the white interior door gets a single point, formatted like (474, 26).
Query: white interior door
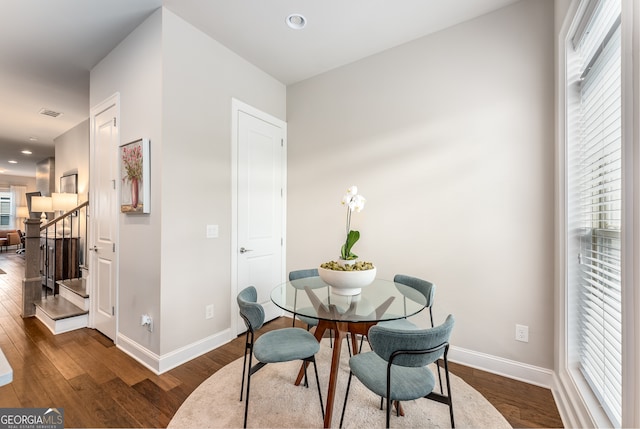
(104, 216)
(259, 246)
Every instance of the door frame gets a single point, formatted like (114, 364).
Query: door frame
(113, 100)
(238, 106)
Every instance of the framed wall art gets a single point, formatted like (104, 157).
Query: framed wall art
(134, 172)
(69, 184)
(29, 195)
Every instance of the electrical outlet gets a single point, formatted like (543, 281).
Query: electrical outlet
(148, 321)
(522, 333)
(208, 311)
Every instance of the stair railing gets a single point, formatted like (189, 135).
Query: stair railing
(54, 251)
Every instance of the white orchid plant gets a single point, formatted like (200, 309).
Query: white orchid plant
(354, 202)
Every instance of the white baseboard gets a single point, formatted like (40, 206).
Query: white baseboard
(508, 368)
(570, 406)
(160, 364)
(143, 355)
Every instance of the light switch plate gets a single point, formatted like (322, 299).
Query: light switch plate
(212, 231)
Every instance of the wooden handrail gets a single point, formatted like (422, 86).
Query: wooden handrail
(63, 216)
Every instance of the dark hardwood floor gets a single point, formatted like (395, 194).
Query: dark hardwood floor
(100, 386)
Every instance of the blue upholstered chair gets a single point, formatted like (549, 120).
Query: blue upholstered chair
(397, 369)
(281, 345)
(425, 288)
(310, 321)
(303, 274)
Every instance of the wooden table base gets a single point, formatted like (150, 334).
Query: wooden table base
(340, 329)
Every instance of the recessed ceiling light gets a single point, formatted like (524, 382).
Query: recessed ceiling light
(12, 161)
(27, 152)
(33, 139)
(296, 21)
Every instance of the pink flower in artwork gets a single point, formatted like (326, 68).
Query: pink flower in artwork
(132, 159)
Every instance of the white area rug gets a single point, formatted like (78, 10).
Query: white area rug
(276, 402)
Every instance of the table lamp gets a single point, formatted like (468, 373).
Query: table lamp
(42, 204)
(22, 212)
(64, 201)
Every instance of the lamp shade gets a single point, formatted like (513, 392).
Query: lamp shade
(41, 204)
(64, 201)
(22, 212)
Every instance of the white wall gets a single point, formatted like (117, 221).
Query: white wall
(8, 180)
(181, 99)
(450, 139)
(198, 84)
(72, 157)
(134, 69)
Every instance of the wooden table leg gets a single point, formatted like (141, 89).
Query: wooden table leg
(340, 333)
(340, 330)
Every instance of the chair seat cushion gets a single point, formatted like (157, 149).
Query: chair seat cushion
(283, 345)
(308, 320)
(403, 324)
(407, 383)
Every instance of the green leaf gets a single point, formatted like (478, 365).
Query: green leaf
(352, 237)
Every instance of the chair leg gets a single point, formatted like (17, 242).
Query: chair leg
(244, 364)
(346, 396)
(315, 368)
(388, 411)
(246, 404)
(388, 394)
(362, 342)
(446, 374)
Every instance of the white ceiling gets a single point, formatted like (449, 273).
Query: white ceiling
(48, 47)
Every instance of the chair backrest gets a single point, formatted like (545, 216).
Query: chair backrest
(385, 341)
(426, 288)
(252, 313)
(301, 274)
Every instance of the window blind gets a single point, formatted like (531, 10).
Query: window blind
(596, 182)
(5, 209)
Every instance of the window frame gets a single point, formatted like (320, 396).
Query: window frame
(577, 408)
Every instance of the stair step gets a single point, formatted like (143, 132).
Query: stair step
(75, 290)
(60, 315)
(77, 286)
(56, 307)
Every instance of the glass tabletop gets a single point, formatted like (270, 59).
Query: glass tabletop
(381, 300)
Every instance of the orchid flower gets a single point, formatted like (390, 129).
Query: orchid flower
(354, 202)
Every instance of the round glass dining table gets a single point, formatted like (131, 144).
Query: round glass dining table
(311, 297)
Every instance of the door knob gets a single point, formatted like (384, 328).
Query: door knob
(243, 250)
(94, 248)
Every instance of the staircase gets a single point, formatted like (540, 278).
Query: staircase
(66, 311)
(55, 252)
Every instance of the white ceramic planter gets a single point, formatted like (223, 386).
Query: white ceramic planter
(347, 282)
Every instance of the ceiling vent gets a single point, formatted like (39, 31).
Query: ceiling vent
(48, 112)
